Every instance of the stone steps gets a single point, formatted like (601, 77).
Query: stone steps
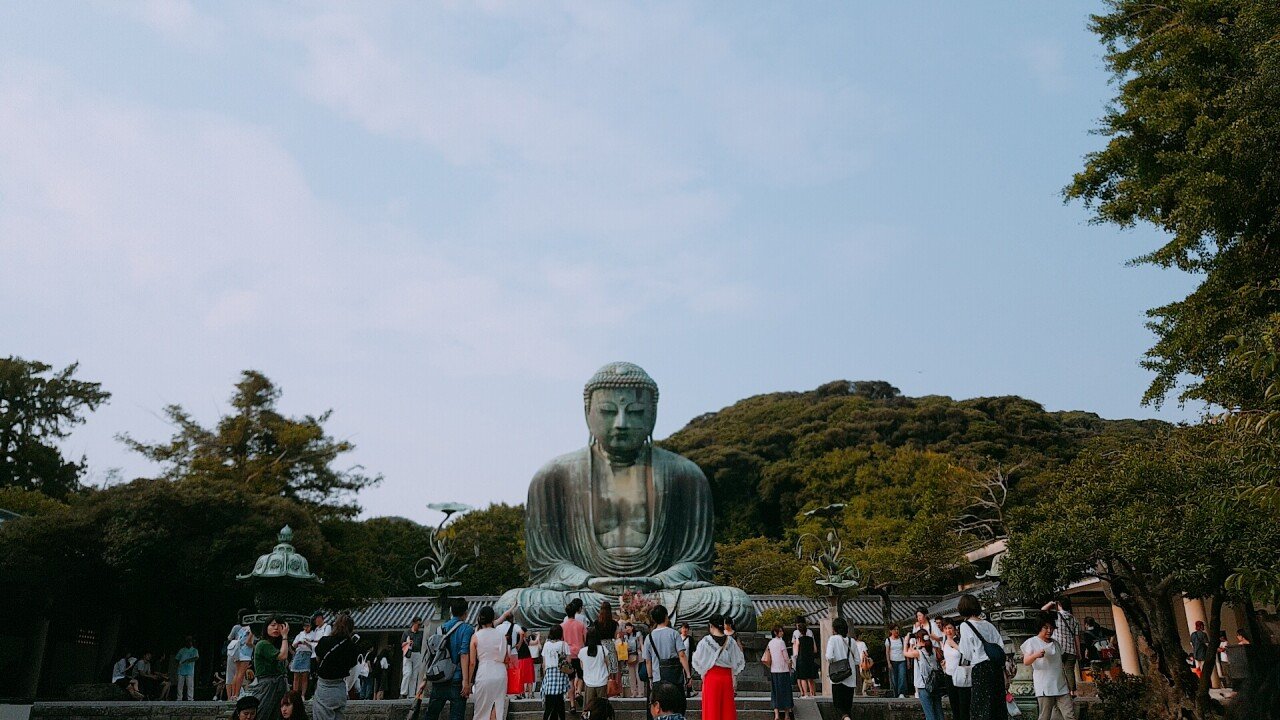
(750, 707)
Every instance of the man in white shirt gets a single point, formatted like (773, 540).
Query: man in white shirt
(122, 675)
(1042, 653)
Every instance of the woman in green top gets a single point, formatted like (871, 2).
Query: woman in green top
(270, 657)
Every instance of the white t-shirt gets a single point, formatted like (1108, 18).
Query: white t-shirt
(1046, 672)
(839, 648)
(961, 675)
(779, 661)
(971, 644)
(795, 634)
(934, 629)
(553, 651)
(595, 671)
(121, 669)
(515, 634)
(895, 647)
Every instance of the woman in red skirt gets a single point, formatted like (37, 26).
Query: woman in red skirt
(718, 659)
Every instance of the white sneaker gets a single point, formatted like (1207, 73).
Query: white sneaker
(902, 696)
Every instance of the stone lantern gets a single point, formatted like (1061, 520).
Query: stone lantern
(283, 584)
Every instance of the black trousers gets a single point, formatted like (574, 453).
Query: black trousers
(552, 707)
(842, 699)
(959, 698)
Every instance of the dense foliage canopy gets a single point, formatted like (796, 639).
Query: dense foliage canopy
(905, 468)
(768, 457)
(1158, 520)
(1194, 135)
(38, 408)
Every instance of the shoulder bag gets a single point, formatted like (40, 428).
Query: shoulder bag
(668, 667)
(842, 669)
(995, 652)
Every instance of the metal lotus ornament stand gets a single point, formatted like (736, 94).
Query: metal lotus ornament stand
(283, 584)
(838, 577)
(439, 568)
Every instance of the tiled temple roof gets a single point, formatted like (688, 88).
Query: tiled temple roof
(863, 611)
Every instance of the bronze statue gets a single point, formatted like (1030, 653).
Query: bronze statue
(622, 514)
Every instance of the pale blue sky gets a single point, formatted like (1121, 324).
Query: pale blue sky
(439, 221)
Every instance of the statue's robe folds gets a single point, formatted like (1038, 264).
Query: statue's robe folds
(563, 551)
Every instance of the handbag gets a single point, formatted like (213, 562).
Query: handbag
(841, 670)
(614, 688)
(566, 663)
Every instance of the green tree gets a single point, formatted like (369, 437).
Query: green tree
(38, 407)
(900, 506)
(258, 450)
(1194, 132)
(373, 558)
(761, 566)
(493, 541)
(1155, 520)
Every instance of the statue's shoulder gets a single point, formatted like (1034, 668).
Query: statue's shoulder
(678, 465)
(563, 467)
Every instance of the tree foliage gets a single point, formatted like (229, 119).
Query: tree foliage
(769, 457)
(761, 566)
(160, 554)
(1194, 132)
(260, 450)
(495, 537)
(38, 407)
(1156, 520)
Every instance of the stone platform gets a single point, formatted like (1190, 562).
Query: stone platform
(750, 707)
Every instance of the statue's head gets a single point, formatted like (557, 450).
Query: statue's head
(621, 403)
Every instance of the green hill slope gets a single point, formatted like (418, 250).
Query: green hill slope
(771, 456)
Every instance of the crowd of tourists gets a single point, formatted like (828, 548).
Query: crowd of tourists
(581, 663)
(584, 663)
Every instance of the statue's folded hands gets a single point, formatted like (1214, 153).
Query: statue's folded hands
(619, 585)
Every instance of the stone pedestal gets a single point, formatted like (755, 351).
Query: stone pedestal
(825, 631)
(1016, 624)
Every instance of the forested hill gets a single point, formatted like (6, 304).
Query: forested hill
(769, 456)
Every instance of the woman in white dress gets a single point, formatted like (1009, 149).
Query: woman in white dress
(488, 656)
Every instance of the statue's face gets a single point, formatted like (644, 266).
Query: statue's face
(621, 419)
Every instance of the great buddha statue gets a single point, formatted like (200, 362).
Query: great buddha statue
(622, 514)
